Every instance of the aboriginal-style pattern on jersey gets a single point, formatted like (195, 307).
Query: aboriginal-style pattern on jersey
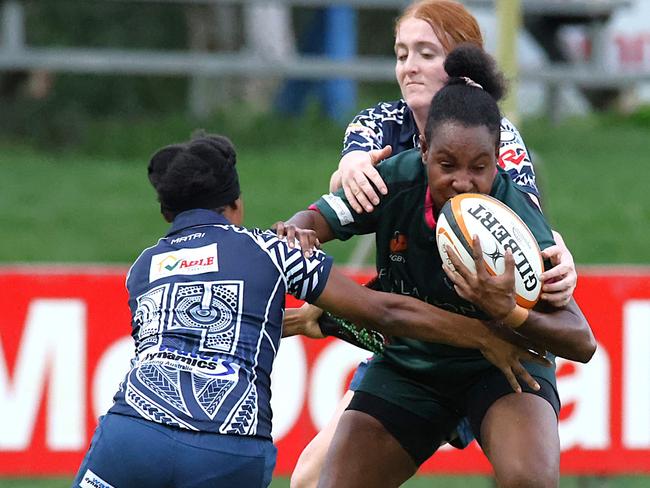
(207, 304)
(392, 123)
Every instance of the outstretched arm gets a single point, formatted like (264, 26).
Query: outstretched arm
(397, 315)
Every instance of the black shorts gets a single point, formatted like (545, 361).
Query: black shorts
(422, 436)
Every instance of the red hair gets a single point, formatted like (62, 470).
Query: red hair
(451, 22)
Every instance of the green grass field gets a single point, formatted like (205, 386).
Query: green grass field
(92, 202)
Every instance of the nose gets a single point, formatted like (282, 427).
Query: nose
(411, 64)
(462, 183)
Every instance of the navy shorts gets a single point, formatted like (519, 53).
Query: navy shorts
(133, 452)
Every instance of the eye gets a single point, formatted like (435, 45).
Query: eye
(401, 56)
(446, 165)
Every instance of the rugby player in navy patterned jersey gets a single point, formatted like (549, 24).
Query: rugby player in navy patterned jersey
(207, 304)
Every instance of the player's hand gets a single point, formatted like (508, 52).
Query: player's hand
(358, 175)
(306, 238)
(302, 321)
(495, 295)
(508, 358)
(559, 282)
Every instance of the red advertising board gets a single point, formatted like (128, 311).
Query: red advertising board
(65, 344)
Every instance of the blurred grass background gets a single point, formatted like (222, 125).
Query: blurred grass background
(91, 201)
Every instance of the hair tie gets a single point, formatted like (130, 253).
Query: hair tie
(470, 82)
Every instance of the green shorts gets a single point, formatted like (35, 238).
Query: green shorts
(421, 418)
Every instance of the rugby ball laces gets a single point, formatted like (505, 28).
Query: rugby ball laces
(499, 228)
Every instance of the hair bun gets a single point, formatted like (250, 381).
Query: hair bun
(470, 61)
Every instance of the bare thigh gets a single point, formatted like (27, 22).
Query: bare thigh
(364, 454)
(311, 460)
(519, 435)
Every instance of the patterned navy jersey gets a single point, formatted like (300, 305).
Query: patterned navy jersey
(207, 304)
(392, 123)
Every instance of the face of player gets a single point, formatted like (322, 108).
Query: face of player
(419, 63)
(459, 160)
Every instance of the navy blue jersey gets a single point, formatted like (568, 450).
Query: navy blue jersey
(392, 123)
(207, 304)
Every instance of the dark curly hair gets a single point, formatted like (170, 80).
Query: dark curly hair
(200, 173)
(460, 100)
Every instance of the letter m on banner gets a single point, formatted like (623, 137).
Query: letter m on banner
(48, 365)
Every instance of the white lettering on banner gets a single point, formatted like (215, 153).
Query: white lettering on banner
(52, 352)
(111, 369)
(588, 388)
(329, 375)
(636, 374)
(288, 383)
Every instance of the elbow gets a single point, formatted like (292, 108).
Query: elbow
(585, 349)
(588, 350)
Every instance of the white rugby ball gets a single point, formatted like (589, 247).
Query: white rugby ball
(498, 228)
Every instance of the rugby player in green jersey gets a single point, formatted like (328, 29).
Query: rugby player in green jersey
(416, 392)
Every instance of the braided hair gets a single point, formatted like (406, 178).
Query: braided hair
(200, 173)
(471, 93)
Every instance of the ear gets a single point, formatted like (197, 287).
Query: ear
(424, 148)
(235, 211)
(167, 215)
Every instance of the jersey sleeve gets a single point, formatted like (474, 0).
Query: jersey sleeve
(305, 278)
(342, 219)
(515, 159)
(365, 132)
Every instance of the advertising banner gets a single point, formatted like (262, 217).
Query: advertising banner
(65, 345)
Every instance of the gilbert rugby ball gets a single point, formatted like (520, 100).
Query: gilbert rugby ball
(498, 228)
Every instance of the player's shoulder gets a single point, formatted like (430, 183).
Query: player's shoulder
(403, 167)
(387, 111)
(519, 200)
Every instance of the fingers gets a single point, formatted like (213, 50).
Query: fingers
(527, 378)
(459, 266)
(366, 195)
(379, 155)
(556, 273)
(357, 189)
(512, 379)
(375, 178)
(351, 192)
(306, 238)
(557, 300)
(552, 253)
(510, 265)
(278, 227)
(558, 285)
(477, 255)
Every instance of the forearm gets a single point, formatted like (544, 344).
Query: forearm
(397, 315)
(311, 219)
(563, 331)
(419, 320)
